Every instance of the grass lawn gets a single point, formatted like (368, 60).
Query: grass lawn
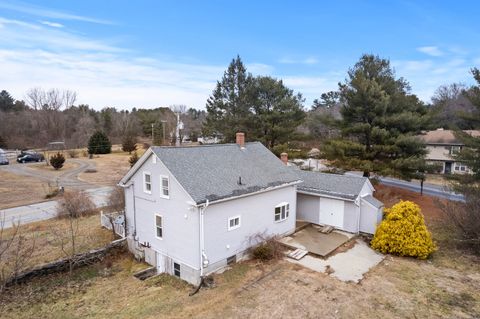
(14, 189)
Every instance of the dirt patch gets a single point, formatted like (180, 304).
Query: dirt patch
(390, 195)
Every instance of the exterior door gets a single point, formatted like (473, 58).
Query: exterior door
(161, 262)
(448, 167)
(331, 212)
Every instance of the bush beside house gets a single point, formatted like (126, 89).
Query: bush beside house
(403, 232)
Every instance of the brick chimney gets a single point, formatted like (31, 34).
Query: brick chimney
(241, 139)
(284, 158)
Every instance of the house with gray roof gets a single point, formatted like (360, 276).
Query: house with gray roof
(192, 210)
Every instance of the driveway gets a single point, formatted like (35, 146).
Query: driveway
(46, 210)
(68, 179)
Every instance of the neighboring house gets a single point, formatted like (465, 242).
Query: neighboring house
(343, 201)
(441, 144)
(193, 210)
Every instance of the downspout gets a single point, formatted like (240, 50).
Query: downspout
(203, 256)
(359, 213)
(134, 207)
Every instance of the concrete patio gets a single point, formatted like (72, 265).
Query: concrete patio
(315, 242)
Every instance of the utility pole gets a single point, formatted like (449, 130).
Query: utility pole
(152, 134)
(177, 132)
(163, 128)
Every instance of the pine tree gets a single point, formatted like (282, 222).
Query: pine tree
(228, 107)
(57, 161)
(129, 143)
(278, 111)
(99, 144)
(380, 121)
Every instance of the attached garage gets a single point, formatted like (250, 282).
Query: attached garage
(342, 201)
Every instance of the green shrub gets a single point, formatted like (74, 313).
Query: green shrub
(129, 143)
(133, 159)
(403, 232)
(99, 144)
(57, 161)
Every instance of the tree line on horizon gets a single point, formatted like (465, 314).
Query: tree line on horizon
(370, 123)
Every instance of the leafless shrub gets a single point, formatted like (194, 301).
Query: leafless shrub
(73, 153)
(265, 248)
(16, 250)
(75, 204)
(116, 199)
(462, 220)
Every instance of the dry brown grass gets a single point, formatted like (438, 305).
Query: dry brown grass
(43, 235)
(16, 190)
(397, 288)
(110, 168)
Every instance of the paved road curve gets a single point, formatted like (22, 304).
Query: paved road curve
(46, 210)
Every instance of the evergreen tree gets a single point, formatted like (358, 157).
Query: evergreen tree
(7, 103)
(228, 107)
(129, 143)
(380, 118)
(99, 144)
(278, 111)
(57, 161)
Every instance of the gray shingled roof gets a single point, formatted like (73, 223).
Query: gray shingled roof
(212, 172)
(343, 186)
(372, 200)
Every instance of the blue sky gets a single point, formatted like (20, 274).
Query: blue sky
(158, 53)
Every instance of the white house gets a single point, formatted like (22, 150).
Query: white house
(193, 210)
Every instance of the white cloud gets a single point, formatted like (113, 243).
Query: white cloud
(431, 50)
(48, 13)
(52, 24)
(308, 60)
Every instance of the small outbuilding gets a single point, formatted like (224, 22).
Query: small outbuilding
(345, 202)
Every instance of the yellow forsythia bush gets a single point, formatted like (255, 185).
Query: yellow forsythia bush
(403, 232)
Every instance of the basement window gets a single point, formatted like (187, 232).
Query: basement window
(147, 182)
(282, 212)
(233, 223)
(176, 269)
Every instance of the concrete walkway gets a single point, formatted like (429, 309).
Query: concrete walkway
(347, 266)
(46, 210)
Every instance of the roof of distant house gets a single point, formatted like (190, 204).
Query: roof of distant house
(221, 171)
(445, 137)
(343, 186)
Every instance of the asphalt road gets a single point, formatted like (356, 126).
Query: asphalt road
(414, 186)
(46, 210)
(428, 189)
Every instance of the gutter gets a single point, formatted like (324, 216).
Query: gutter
(203, 255)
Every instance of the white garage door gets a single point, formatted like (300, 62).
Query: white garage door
(331, 212)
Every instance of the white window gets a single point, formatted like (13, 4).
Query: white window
(154, 159)
(282, 211)
(164, 187)
(233, 223)
(457, 167)
(158, 226)
(463, 168)
(176, 269)
(147, 182)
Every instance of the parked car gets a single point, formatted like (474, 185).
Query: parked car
(3, 158)
(28, 156)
